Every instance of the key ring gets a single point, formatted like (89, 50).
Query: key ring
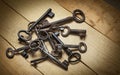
(22, 38)
(67, 33)
(34, 45)
(43, 35)
(82, 44)
(76, 18)
(10, 53)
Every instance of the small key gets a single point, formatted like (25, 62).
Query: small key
(82, 47)
(80, 32)
(10, 52)
(39, 60)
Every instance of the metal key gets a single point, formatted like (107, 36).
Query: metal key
(82, 47)
(10, 52)
(39, 60)
(48, 13)
(70, 54)
(80, 32)
(68, 19)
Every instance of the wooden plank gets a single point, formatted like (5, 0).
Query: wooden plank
(99, 14)
(9, 20)
(16, 66)
(44, 67)
(11, 23)
(102, 54)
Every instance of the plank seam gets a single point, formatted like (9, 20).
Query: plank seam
(7, 41)
(14, 10)
(89, 67)
(110, 30)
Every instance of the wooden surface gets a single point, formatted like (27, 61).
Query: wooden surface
(102, 55)
(99, 14)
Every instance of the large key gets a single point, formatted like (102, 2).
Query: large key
(48, 13)
(75, 18)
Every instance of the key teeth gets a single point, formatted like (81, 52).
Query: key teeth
(51, 14)
(57, 33)
(34, 64)
(65, 62)
(82, 35)
(24, 54)
(57, 54)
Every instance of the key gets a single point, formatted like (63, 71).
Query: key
(22, 38)
(82, 47)
(10, 52)
(68, 19)
(80, 32)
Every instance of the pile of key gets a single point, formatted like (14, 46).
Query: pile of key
(46, 31)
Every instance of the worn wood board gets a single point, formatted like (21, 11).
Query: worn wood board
(100, 48)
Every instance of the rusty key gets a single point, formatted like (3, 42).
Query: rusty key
(80, 32)
(48, 13)
(68, 19)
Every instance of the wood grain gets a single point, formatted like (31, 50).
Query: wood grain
(11, 23)
(114, 34)
(102, 54)
(100, 15)
(17, 23)
(9, 20)
(16, 66)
